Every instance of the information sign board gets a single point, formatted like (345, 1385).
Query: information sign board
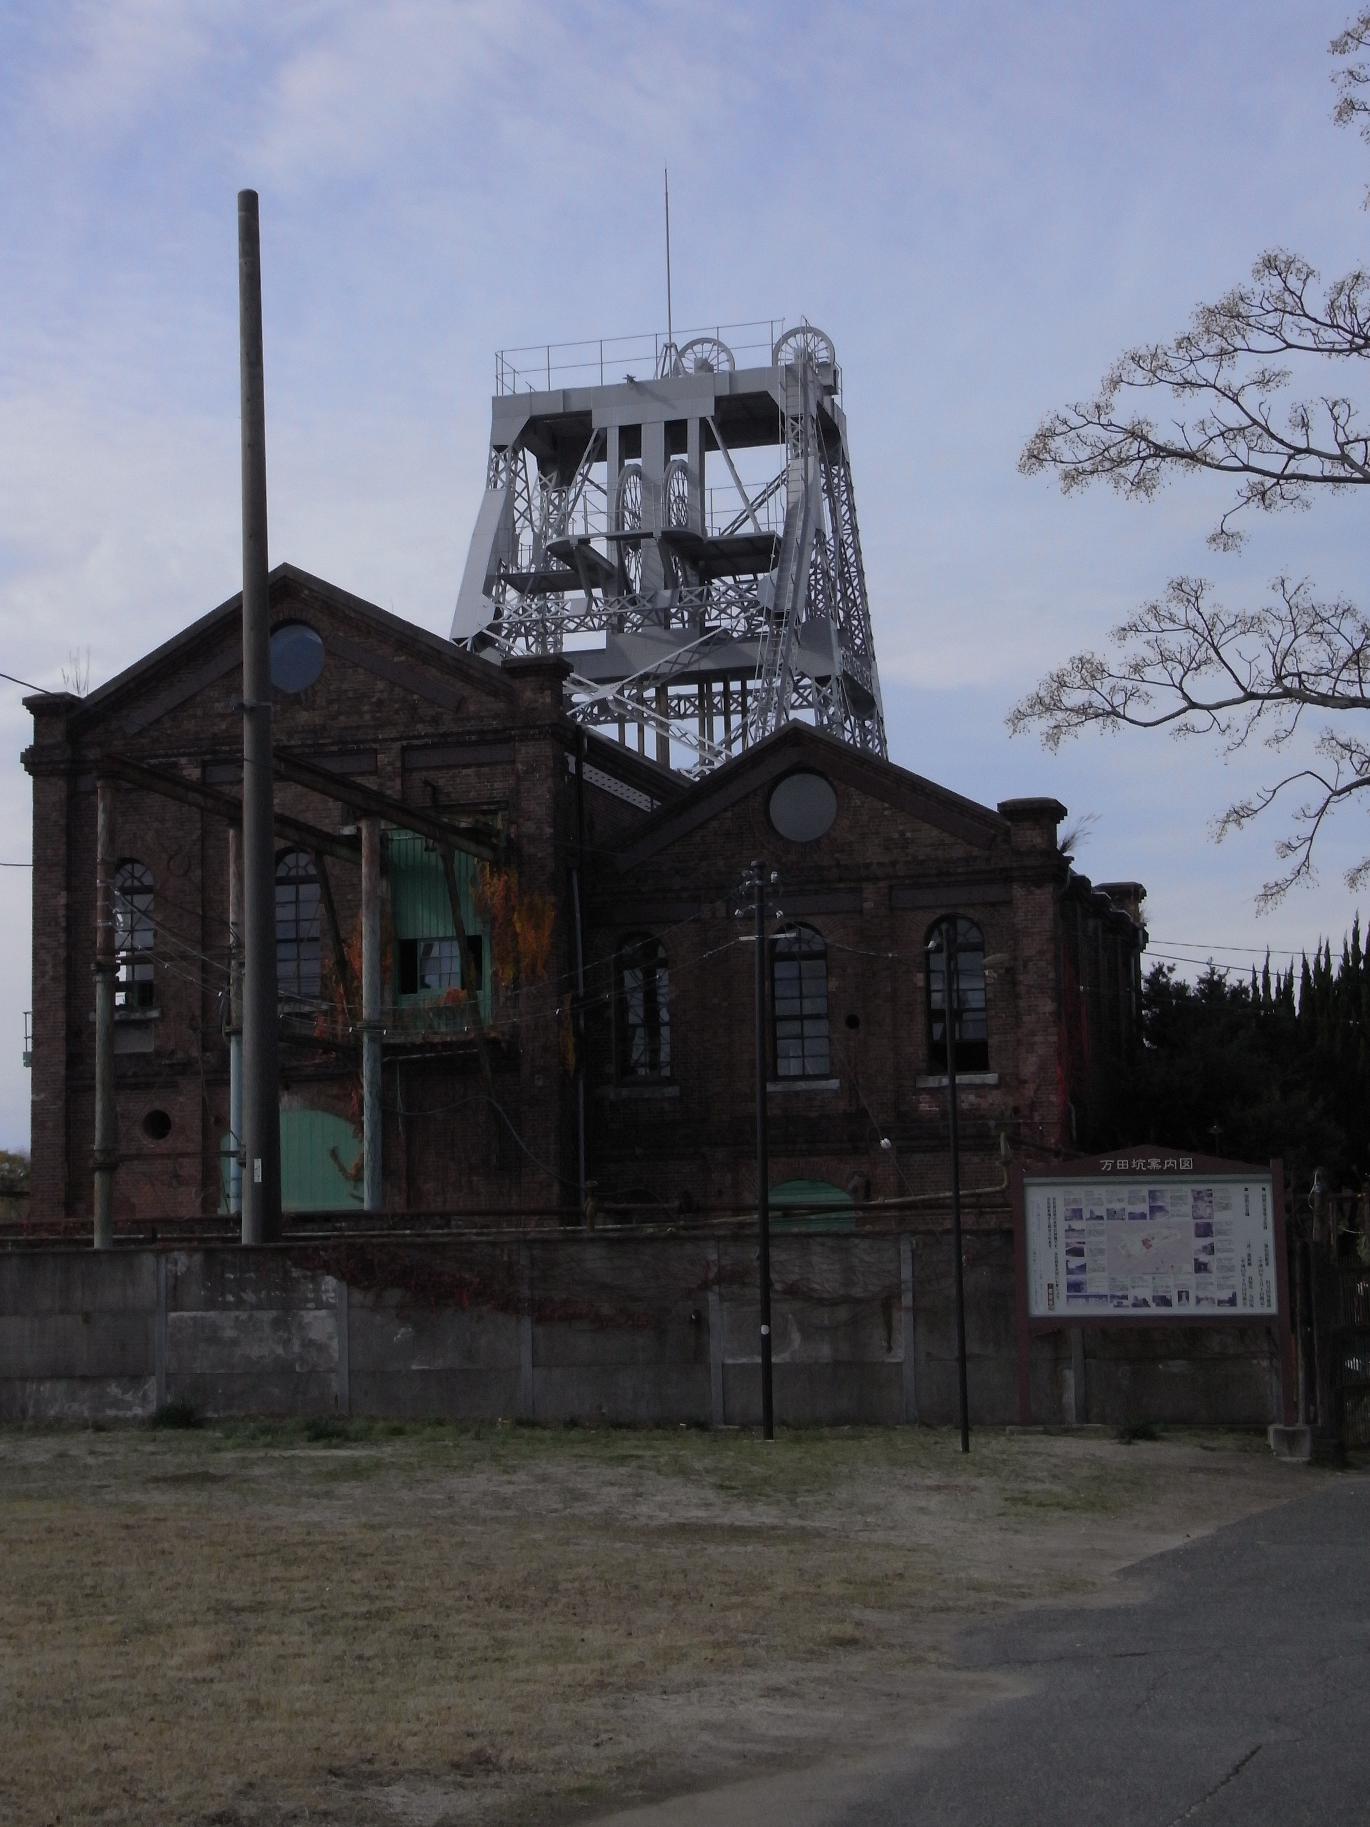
(1145, 1239)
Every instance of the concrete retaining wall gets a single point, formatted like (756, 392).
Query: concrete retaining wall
(605, 1328)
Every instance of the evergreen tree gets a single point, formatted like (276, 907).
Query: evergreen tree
(1253, 1070)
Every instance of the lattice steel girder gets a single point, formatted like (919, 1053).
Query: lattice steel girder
(624, 509)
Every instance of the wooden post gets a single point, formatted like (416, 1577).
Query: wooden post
(1079, 1391)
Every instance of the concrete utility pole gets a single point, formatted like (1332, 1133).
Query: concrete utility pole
(951, 1027)
(106, 973)
(373, 1179)
(261, 1221)
(753, 888)
(763, 1156)
(235, 1021)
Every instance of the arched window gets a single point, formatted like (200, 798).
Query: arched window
(133, 935)
(299, 960)
(799, 1001)
(644, 1009)
(960, 971)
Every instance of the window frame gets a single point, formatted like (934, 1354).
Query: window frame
(465, 969)
(811, 1028)
(135, 937)
(293, 975)
(652, 1062)
(421, 918)
(970, 1023)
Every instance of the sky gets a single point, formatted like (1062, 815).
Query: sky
(981, 206)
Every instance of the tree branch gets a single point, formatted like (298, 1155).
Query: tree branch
(1183, 662)
(1187, 664)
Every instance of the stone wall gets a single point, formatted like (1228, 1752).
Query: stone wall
(603, 1329)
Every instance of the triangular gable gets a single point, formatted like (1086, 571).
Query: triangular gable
(196, 657)
(797, 745)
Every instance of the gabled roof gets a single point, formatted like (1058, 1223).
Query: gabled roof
(288, 583)
(650, 777)
(798, 745)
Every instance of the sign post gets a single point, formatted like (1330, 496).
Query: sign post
(1151, 1236)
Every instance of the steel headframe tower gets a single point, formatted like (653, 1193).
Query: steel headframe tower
(685, 533)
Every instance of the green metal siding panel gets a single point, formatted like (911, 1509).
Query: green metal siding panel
(317, 1149)
(420, 907)
(818, 1205)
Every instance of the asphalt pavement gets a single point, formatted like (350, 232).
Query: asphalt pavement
(1237, 1690)
(1230, 1685)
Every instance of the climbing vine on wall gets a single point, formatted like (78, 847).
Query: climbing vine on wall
(335, 1017)
(334, 1021)
(522, 924)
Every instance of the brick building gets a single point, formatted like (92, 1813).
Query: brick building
(567, 993)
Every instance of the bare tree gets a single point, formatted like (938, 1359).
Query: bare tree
(75, 672)
(1183, 661)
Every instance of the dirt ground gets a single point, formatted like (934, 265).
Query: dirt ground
(365, 1626)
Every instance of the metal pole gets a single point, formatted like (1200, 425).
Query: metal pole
(106, 1137)
(235, 1020)
(261, 1064)
(578, 1030)
(763, 1166)
(951, 1022)
(372, 1026)
(578, 1040)
(670, 321)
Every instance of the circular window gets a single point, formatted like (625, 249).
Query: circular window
(296, 656)
(803, 807)
(156, 1125)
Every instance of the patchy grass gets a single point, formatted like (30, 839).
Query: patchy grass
(359, 1622)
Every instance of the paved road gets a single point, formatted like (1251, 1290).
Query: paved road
(1235, 1693)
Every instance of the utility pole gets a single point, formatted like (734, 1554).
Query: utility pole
(753, 889)
(106, 978)
(261, 1220)
(373, 1177)
(951, 1022)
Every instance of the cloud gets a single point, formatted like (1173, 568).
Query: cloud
(358, 83)
(956, 197)
(111, 61)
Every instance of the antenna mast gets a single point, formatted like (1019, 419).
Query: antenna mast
(670, 327)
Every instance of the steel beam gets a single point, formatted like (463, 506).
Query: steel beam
(475, 840)
(224, 805)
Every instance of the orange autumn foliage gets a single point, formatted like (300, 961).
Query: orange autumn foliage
(522, 926)
(337, 1017)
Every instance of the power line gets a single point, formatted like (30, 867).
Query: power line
(27, 684)
(1201, 945)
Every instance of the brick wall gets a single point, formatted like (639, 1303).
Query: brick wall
(432, 727)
